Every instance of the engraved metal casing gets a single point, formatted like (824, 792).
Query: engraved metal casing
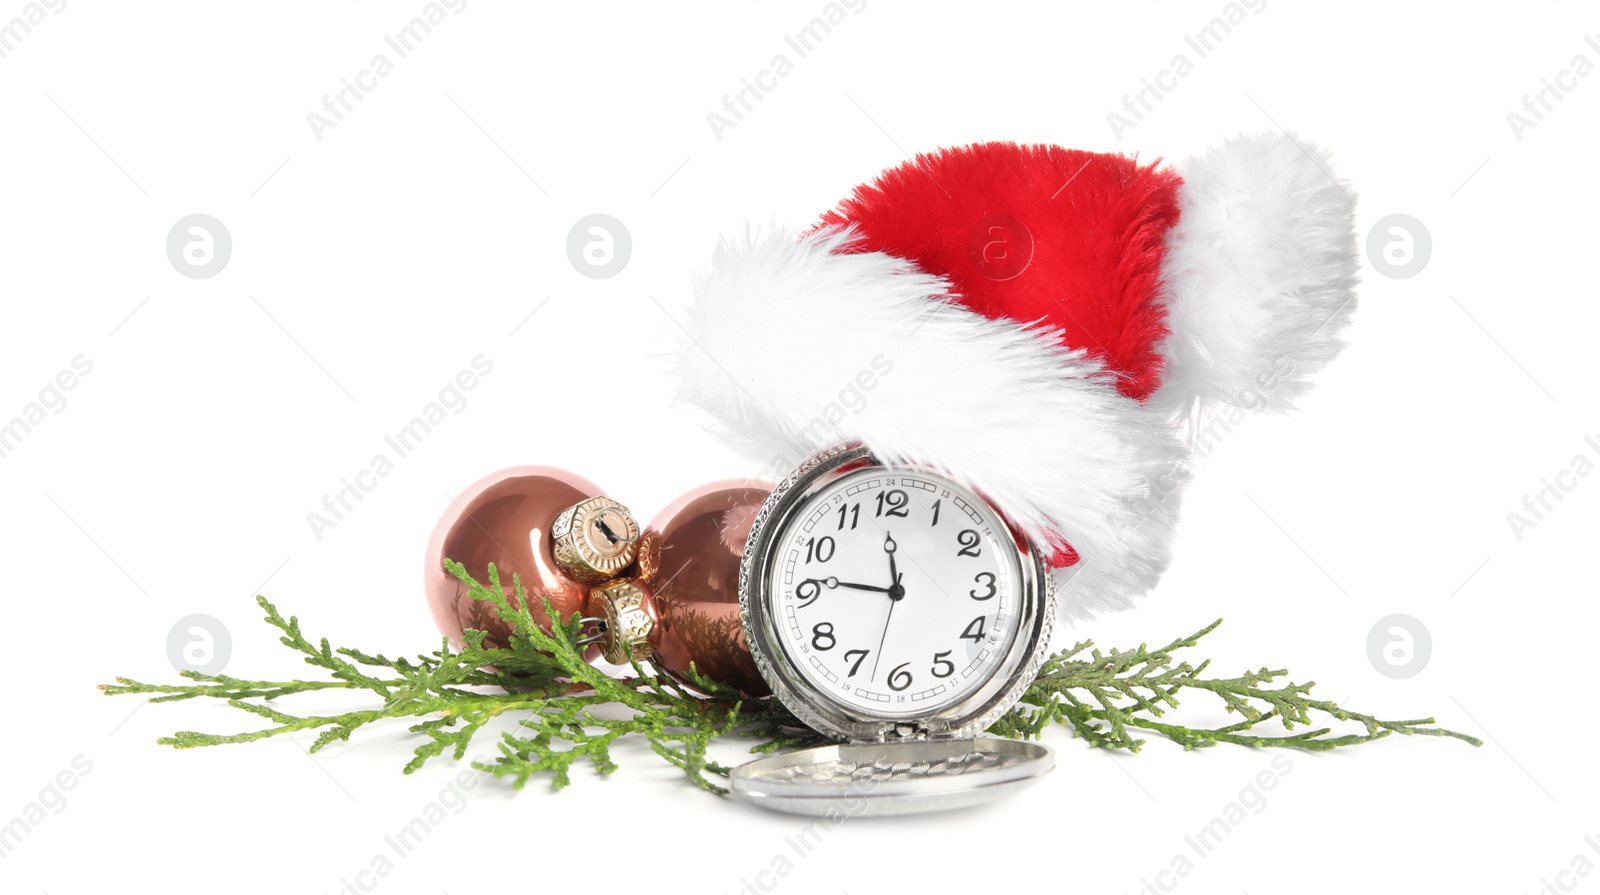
(628, 621)
(886, 779)
(595, 540)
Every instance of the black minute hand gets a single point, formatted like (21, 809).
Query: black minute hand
(885, 636)
(896, 591)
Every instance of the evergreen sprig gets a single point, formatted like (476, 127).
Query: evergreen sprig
(1100, 697)
(566, 711)
(540, 680)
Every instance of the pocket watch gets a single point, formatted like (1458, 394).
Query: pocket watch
(896, 611)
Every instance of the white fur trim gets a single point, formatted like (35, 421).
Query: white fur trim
(785, 335)
(1260, 275)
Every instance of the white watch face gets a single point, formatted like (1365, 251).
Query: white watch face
(896, 592)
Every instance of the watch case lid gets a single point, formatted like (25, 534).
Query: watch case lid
(885, 779)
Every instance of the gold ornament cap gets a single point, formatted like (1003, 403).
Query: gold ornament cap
(648, 562)
(595, 540)
(628, 620)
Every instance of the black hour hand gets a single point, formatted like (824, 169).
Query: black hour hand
(871, 587)
(832, 583)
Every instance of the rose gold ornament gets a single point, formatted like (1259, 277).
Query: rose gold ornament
(505, 518)
(687, 609)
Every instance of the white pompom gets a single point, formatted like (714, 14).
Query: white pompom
(1260, 275)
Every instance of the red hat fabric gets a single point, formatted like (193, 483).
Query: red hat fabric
(1039, 323)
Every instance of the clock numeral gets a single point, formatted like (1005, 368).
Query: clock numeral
(823, 631)
(936, 511)
(968, 539)
(819, 549)
(974, 631)
(808, 591)
(854, 511)
(949, 666)
(893, 503)
(900, 678)
(978, 579)
(855, 666)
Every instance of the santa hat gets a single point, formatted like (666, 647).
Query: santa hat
(1039, 323)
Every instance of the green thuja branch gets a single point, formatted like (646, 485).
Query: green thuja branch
(1102, 697)
(561, 711)
(540, 683)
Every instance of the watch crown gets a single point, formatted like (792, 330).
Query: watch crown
(595, 540)
(628, 621)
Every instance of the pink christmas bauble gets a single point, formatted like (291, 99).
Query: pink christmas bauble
(694, 582)
(504, 518)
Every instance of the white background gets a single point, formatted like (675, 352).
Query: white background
(369, 267)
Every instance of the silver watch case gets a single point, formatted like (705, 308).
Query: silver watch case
(887, 765)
